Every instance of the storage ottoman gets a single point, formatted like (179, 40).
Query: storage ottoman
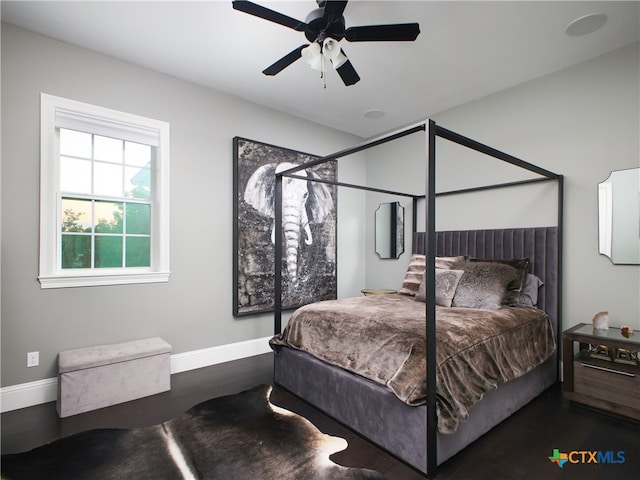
(97, 377)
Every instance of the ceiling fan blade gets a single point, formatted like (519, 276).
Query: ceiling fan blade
(268, 14)
(347, 73)
(399, 32)
(285, 61)
(333, 9)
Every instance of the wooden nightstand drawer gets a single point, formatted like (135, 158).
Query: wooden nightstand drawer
(607, 381)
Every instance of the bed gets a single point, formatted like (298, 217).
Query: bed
(421, 421)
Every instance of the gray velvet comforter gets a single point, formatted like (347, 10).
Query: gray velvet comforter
(382, 338)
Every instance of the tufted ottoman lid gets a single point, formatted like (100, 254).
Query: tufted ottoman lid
(82, 358)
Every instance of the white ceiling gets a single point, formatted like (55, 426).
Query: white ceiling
(466, 50)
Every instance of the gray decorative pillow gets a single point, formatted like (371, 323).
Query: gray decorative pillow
(514, 289)
(529, 295)
(484, 284)
(446, 284)
(416, 269)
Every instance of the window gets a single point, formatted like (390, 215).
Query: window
(104, 209)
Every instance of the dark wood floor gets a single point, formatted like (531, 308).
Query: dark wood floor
(516, 449)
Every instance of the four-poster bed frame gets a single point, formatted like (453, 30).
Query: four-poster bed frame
(544, 241)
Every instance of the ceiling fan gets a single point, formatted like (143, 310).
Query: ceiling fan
(324, 28)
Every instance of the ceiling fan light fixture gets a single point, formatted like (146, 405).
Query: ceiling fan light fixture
(330, 48)
(313, 56)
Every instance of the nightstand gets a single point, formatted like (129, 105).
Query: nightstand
(605, 373)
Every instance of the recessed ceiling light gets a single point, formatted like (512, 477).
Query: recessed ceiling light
(586, 24)
(373, 114)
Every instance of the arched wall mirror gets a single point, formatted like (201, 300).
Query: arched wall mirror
(389, 230)
(619, 216)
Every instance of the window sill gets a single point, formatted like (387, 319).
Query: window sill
(70, 280)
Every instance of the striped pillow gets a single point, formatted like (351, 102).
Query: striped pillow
(414, 274)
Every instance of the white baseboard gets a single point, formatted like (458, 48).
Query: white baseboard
(29, 394)
(181, 362)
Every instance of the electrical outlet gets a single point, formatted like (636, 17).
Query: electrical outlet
(33, 359)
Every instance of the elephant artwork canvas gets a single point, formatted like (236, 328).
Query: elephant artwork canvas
(308, 222)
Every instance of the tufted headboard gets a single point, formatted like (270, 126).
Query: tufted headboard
(539, 244)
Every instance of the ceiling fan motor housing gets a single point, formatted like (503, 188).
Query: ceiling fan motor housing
(321, 27)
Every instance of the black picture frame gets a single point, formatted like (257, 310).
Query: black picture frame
(309, 229)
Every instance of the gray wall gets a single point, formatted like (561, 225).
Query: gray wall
(193, 310)
(581, 122)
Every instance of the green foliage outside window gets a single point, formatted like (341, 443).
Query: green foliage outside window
(127, 229)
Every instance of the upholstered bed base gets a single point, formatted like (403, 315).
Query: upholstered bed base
(376, 413)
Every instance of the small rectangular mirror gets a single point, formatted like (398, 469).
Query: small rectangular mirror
(389, 230)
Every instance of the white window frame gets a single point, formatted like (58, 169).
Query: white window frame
(56, 113)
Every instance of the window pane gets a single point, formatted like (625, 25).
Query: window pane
(76, 215)
(107, 179)
(138, 219)
(108, 217)
(75, 175)
(138, 182)
(107, 149)
(76, 144)
(138, 252)
(108, 252)
(76, 251)
(137, 154)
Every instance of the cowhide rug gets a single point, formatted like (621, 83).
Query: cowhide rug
(237, 437)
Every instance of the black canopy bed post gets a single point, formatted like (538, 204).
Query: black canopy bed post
(430, 304)
(560, 179)
(277, 231)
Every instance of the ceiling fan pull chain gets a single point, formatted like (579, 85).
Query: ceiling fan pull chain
(322, 75)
